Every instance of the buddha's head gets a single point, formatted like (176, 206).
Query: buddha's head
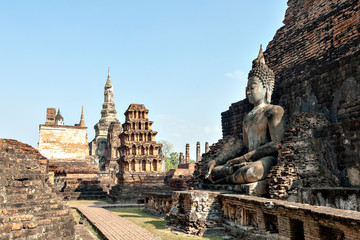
(261, 81)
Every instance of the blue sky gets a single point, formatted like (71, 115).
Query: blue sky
(187, 61)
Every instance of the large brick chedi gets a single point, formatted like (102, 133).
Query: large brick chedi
(30, 207)
(315, 58)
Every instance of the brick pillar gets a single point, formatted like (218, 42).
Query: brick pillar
(311, 230)
(260, 220)
(187, 153)
(284, 226)
(198, 158)
(181, 158)
(207, 147)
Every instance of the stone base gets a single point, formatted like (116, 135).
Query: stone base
(336, 197)
(133, 193)
(158, 203)
(196, 212)
(260, 188)
(132, 186)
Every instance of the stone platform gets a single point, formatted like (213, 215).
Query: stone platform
(250, 217)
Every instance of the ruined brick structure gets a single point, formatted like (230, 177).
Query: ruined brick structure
(112, 150)
(70, 166)
(141, 161)
(98, 146)
(316, 60)
(181, 178)
(249, 217)
(158, 203)
(60, 142)
(139, 150)
(30, 206)
(196, 212)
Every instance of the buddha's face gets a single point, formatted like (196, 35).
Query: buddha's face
(255, 91)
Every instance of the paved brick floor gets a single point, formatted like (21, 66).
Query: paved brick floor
(114, 227)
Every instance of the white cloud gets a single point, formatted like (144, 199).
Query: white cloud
(207, 130)
(236, 74)
(212, 129)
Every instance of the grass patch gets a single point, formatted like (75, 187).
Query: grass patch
(154, 224)
(88, 202)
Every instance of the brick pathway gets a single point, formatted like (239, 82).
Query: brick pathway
(81, 233)
(114, 227)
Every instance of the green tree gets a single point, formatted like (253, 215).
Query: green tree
(172, 161)
(166, 152)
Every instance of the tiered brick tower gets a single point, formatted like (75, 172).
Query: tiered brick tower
(140, 164)
(139, 151)
(108, 116)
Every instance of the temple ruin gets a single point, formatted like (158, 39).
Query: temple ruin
(98, 146)
(309, 132)
(71, 169)
(141, 161)
(63, 142)
(312, 192)
(139, 151)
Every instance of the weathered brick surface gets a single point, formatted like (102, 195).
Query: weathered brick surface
(300, 161)
(290, 220)
(134, 184)
(63, 142)
(316, 154)
(29, 206)
(195, 212)
(158, 203)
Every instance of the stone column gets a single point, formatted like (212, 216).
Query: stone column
(207, 147)
(187, 153)
(198, 158)
(181, 158)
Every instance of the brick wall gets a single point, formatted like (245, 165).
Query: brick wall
(284, 220)
(316, 154)
(29, 206)
(63, 142)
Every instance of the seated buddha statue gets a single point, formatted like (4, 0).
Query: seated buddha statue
(263, 126)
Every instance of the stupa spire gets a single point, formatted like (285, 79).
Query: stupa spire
(82, 121)
(108, 82)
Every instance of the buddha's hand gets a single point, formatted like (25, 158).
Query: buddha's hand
(209, 168)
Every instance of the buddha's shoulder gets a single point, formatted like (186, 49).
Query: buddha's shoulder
(273, 110)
